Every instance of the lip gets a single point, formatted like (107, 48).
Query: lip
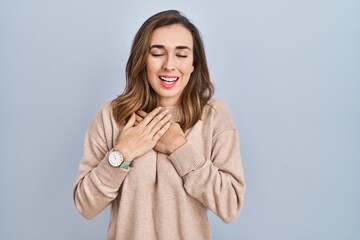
(168, 81)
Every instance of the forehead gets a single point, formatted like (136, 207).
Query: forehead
(172, 36)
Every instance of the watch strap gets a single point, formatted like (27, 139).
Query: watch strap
(125, 164)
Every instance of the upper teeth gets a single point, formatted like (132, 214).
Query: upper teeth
(169, 79)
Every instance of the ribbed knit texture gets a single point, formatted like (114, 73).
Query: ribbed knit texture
(164, 197)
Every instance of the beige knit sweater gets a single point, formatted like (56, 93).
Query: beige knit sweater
(164, 197)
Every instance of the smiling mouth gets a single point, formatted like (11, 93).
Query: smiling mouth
(168, 81)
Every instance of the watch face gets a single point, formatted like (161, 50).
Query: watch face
(115, 158)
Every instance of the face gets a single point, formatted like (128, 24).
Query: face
(170, 62)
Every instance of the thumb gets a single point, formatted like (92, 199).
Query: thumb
(131, 121)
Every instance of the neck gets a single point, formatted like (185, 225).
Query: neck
(175, 112)
(168, 102)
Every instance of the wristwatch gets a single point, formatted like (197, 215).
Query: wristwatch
(116, 159)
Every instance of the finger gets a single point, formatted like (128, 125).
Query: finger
(142, 113)
(150, 116)
(131, 121)
(177, 126)
(164, 116)
(161, 132)
(159, 124)
(138, 118)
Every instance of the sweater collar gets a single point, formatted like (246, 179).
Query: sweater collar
(175, 112)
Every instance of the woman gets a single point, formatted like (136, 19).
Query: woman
(164, 151)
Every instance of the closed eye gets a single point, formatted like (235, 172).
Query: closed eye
(182, 56)
(157, 54)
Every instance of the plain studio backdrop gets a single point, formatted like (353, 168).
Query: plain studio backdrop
(288, 70)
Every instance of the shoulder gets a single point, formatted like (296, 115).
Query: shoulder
(104, 113)
(219, 113)
(106, 108)
(218, 106)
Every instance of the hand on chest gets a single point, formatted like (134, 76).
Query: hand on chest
(155, 167)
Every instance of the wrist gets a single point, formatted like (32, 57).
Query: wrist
(177, 145)
(126, 156)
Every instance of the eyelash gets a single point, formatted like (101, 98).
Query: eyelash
(159, 55)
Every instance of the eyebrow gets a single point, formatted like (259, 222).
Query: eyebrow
(163, 47)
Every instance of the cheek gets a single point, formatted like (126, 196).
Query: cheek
(149, 68)
(187, 68)
(152, 66)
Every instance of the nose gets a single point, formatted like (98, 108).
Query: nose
(169, 63)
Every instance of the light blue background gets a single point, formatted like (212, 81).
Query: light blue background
(289, 71)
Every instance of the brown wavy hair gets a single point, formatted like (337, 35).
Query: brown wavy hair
(139, 95)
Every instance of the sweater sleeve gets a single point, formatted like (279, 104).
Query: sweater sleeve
(97, 183)
(218, 183)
